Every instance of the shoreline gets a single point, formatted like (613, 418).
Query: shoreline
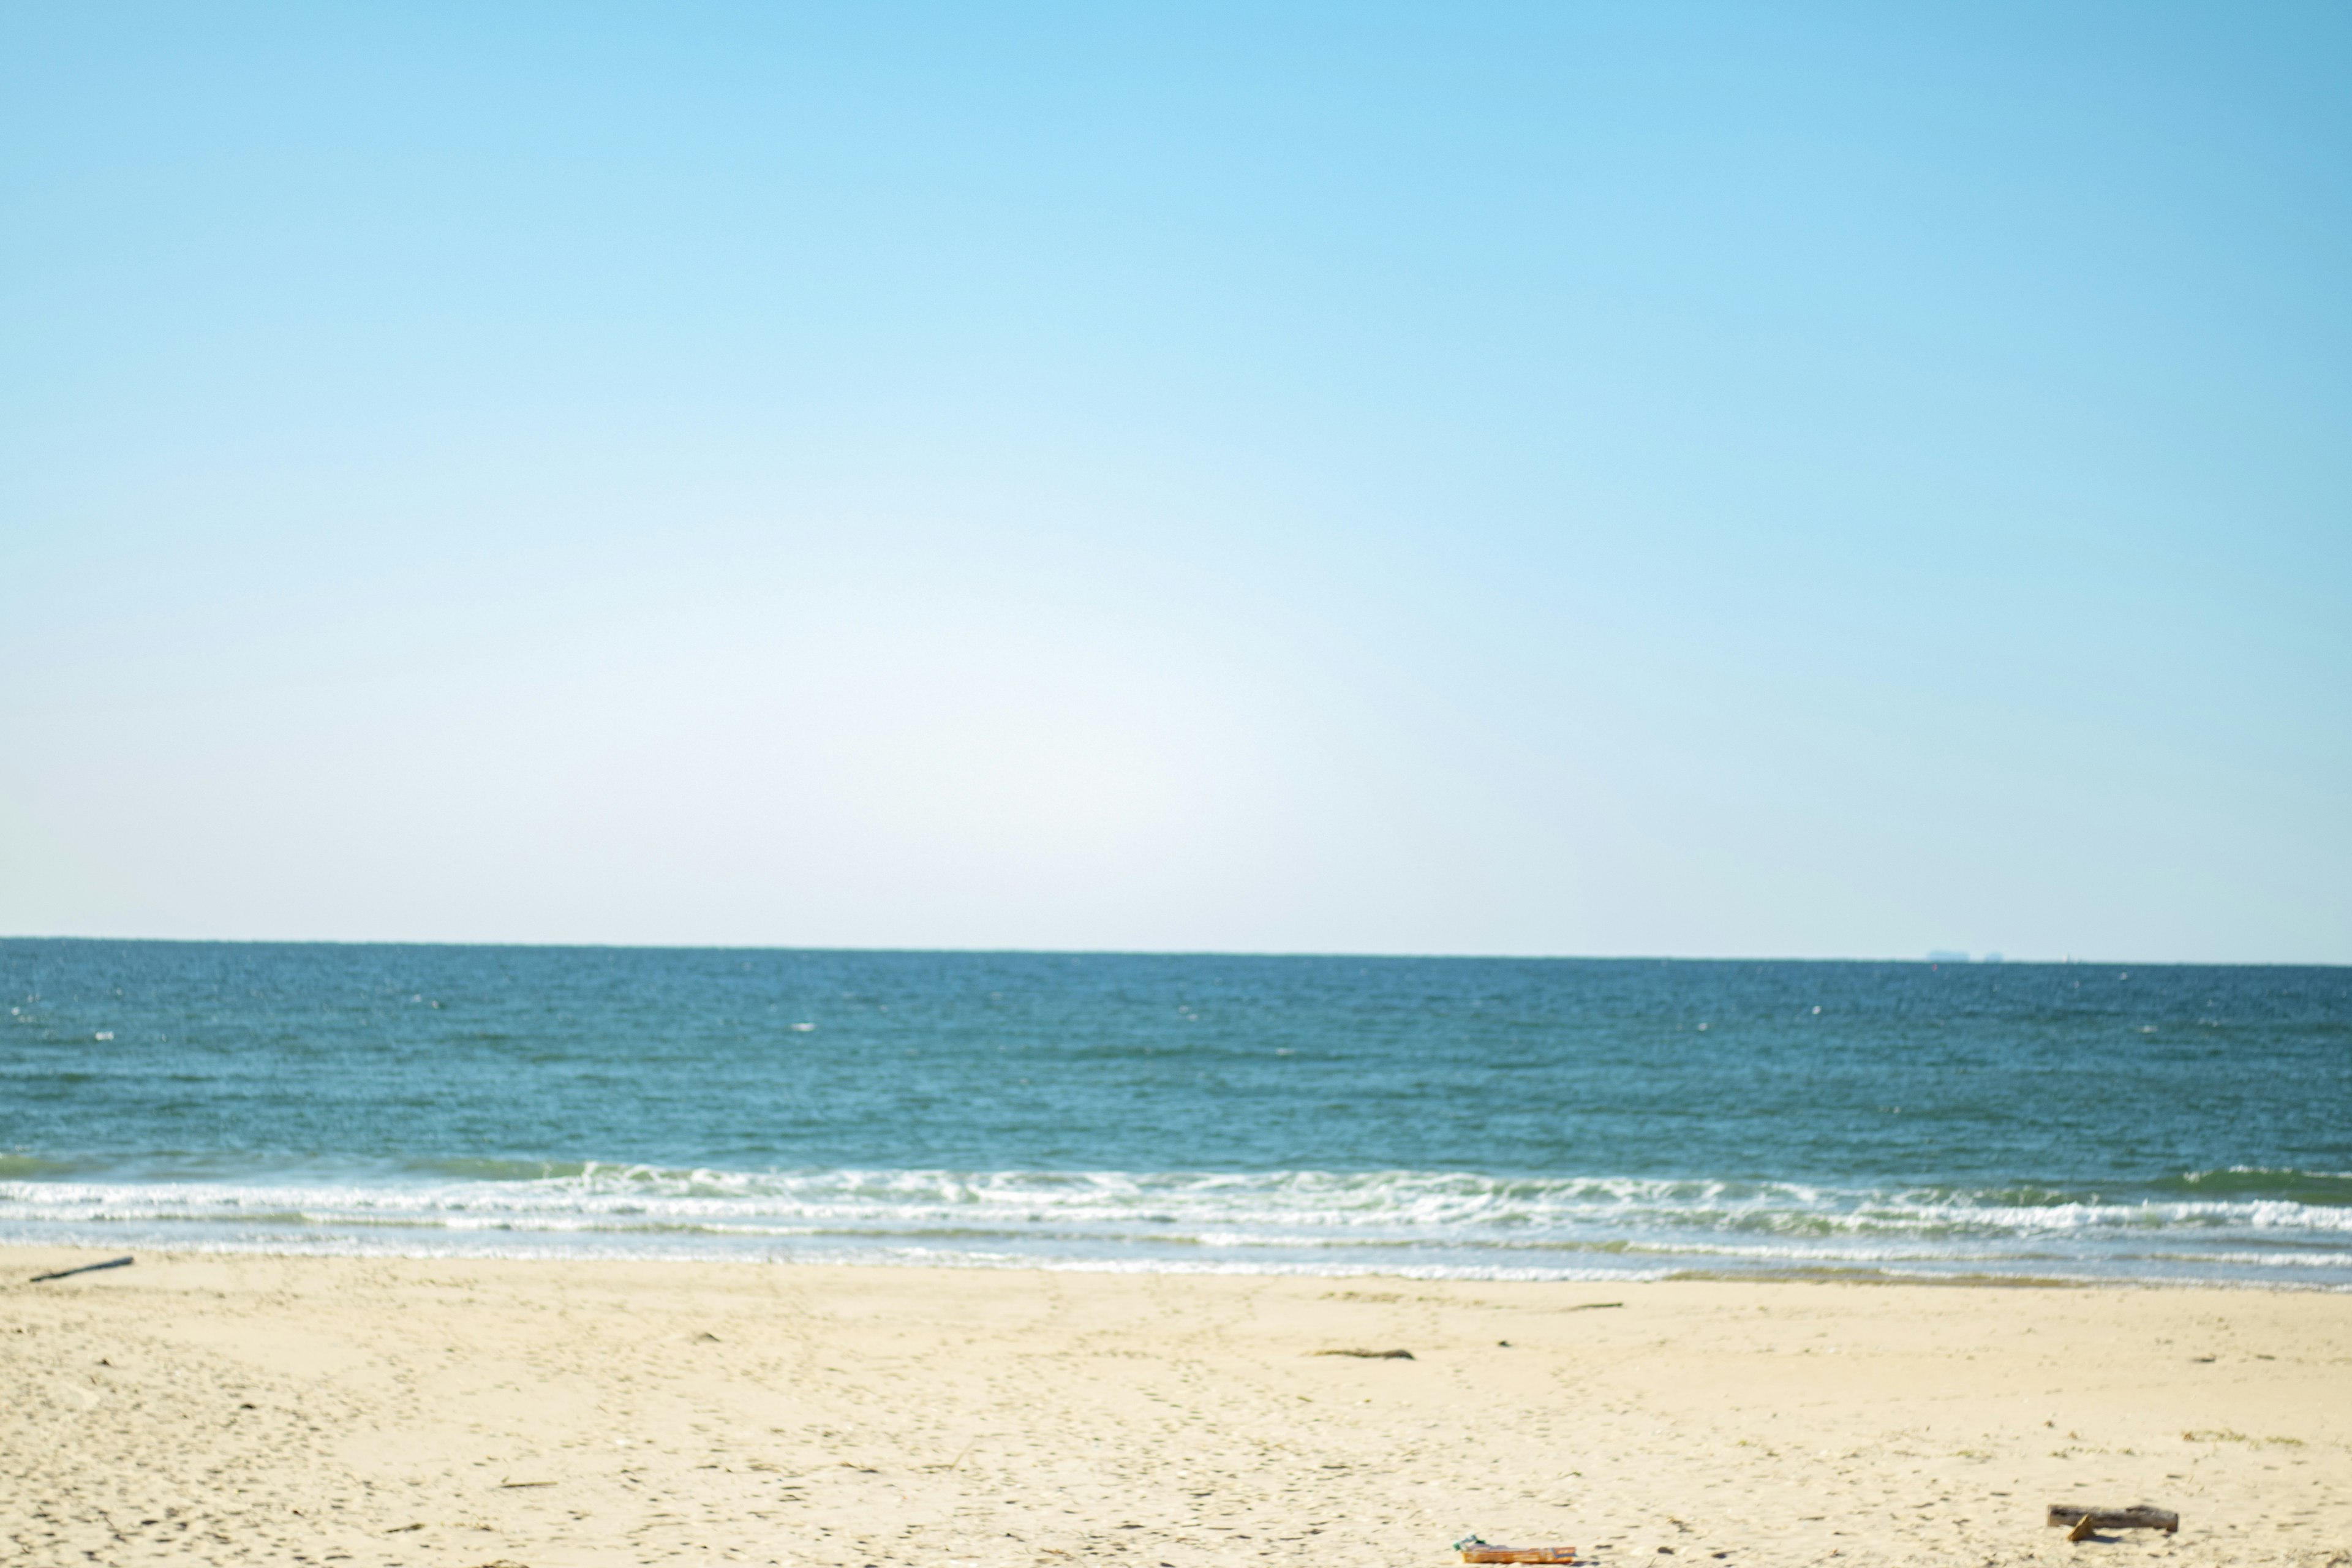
(1432, 1224)
(1858, 1275)
(250, 1406)
(1797, 1274)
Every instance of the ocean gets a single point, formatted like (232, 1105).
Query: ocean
(1526, 1118)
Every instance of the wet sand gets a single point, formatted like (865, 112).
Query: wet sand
(254, 1409)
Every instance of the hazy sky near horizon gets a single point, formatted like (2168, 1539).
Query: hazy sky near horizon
(1547, 478)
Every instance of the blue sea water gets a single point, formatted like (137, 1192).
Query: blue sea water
(1521, 1119)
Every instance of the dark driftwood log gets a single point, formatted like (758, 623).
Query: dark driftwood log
(85, 1269)
(1372, 1356)
(1519, 1554)
(2066, 1516)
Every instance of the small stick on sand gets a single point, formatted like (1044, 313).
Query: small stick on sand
(85, 1269)
(1485, 1553)
(2082, 1520)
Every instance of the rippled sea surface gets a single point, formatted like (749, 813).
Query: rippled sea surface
(1538, 1119)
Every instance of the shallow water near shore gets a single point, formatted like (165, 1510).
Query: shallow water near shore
(1529, 1118)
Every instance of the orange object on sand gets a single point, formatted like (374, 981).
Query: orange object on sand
(1485, 1553)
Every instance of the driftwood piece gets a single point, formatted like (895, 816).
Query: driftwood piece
(85, 1269)
(1372, 1356)
(1483, 1553)
(2066, 1516)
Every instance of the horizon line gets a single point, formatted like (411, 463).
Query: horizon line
(1937, 958)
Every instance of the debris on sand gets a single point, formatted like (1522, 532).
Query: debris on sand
(2080, 1522)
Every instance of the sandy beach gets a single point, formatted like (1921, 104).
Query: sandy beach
(253, 1409)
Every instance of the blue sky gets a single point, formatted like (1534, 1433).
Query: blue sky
(1555, 479)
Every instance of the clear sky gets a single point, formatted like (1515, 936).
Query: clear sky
(1550, 479)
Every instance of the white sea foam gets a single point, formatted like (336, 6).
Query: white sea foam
(1446, 1223)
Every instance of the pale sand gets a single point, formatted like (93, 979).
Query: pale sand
(271, 1409)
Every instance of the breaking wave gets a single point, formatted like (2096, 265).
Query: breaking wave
(2229, 1225)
